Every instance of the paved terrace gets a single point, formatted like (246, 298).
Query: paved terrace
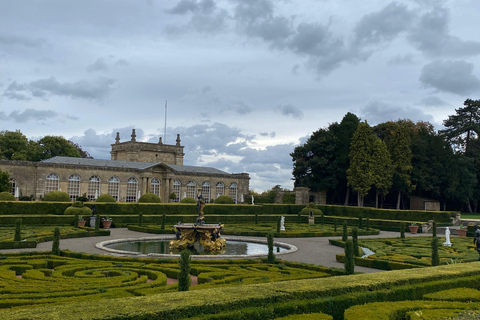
(310, 250)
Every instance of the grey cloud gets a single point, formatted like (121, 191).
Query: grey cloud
(3, 116)
(39, 116)
(383, 25)
(402, 60)
(263, 134)
(252, 10)
(205, 16)
(83, 89)
(433, 102)
(289, 110)
(98, 65)
(14, 40)
(450, 76)
(193, 6)
(242, 108)
(122, 63)
(431, 36)
(379, 111)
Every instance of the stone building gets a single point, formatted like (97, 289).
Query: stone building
(134, 169)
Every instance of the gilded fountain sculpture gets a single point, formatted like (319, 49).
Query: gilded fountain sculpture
(207, 234)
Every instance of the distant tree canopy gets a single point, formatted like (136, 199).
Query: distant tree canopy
(15, 146)
(394, 159)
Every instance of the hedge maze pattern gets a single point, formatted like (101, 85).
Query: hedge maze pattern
(44, 278)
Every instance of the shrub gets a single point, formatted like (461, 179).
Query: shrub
(57, 196)
(164, 219)
(6, 196)
(402, 230)
(56, 242)
(224, 200)
(83, 198)
(172, 196)
(434, 229)
(349, 257)
(313, 208)
(435, 256)
(344, 234)
(356, 250)
(149, 198)
(271, 255)
(140, 219)
(105, 198)
(18, 230)
(184, 275)
(77, 208)
(189, 200)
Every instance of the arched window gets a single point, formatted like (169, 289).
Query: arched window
(233, 192)
(192, 189)
(220, 189)
(73, 188)
(13, 184)
(132, 187)
(114, 187)
(93, 188)
(155, 186)
(206, 191)
(177, 187)
(52, 183)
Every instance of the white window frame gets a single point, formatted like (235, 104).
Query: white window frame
(206, 191)
(114, 187)
(73, 186)
(233, 191)
(52, 182)
(192, 189)
(132, 189)
(177, 189)
(155, 185)
(93, 185)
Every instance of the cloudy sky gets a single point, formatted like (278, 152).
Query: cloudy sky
(246, 80)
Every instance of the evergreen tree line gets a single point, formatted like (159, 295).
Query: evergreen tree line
(14, 145)
(381, 166)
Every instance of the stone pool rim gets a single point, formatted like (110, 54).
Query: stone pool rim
(101, 245)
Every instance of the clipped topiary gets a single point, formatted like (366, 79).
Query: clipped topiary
(311, 207)
(77, 208)
(6, 196)
(105, 198)
(57, 196)
(224, 200)
(188, 200)
(149, 198)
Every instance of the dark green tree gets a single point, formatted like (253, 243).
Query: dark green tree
(360, 173)
(349, 257)
(271, 256)
(401, 154)
(382, 169)
(56, 242)
(435, 256)
(464, 126)
(356, 249)
(164, 220)
(18, 230)
(5, 184)
(140, 219)
(53, 146)
(402, 230)
(184, 278)
(344, 234)
(13, 145)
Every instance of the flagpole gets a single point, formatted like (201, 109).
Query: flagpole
(165, 129)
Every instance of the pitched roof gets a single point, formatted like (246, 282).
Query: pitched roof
(130, 165)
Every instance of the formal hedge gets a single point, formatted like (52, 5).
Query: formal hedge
(6, 196)
(149, 197)
(330, 296)
(57, 196)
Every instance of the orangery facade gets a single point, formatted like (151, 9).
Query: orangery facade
(144, 167)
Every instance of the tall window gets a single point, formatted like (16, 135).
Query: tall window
(114, 187)
(192, 189)
(233, 192)
(155, 186)
(177, 187)
(132, 187)
(13, 184)
(93, 188)
(52, 183)
(220, 189)
(73, 188)
(206, 191)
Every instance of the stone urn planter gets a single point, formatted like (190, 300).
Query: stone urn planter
(462, 232)
(413, 229)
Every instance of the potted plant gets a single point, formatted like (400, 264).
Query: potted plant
(106, 222)
(462, 232)
(81, 221)
(413, 228)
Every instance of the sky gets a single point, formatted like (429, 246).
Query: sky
(244, 81)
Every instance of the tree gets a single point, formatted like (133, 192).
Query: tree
(184, 279)
(13, 145)
(401, 158)
(360, 173)
(83, 153)
(464, 126)
(5, 184)
(53, 146)
(382, 169)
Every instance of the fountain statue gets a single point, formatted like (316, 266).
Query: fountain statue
(207, 234)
